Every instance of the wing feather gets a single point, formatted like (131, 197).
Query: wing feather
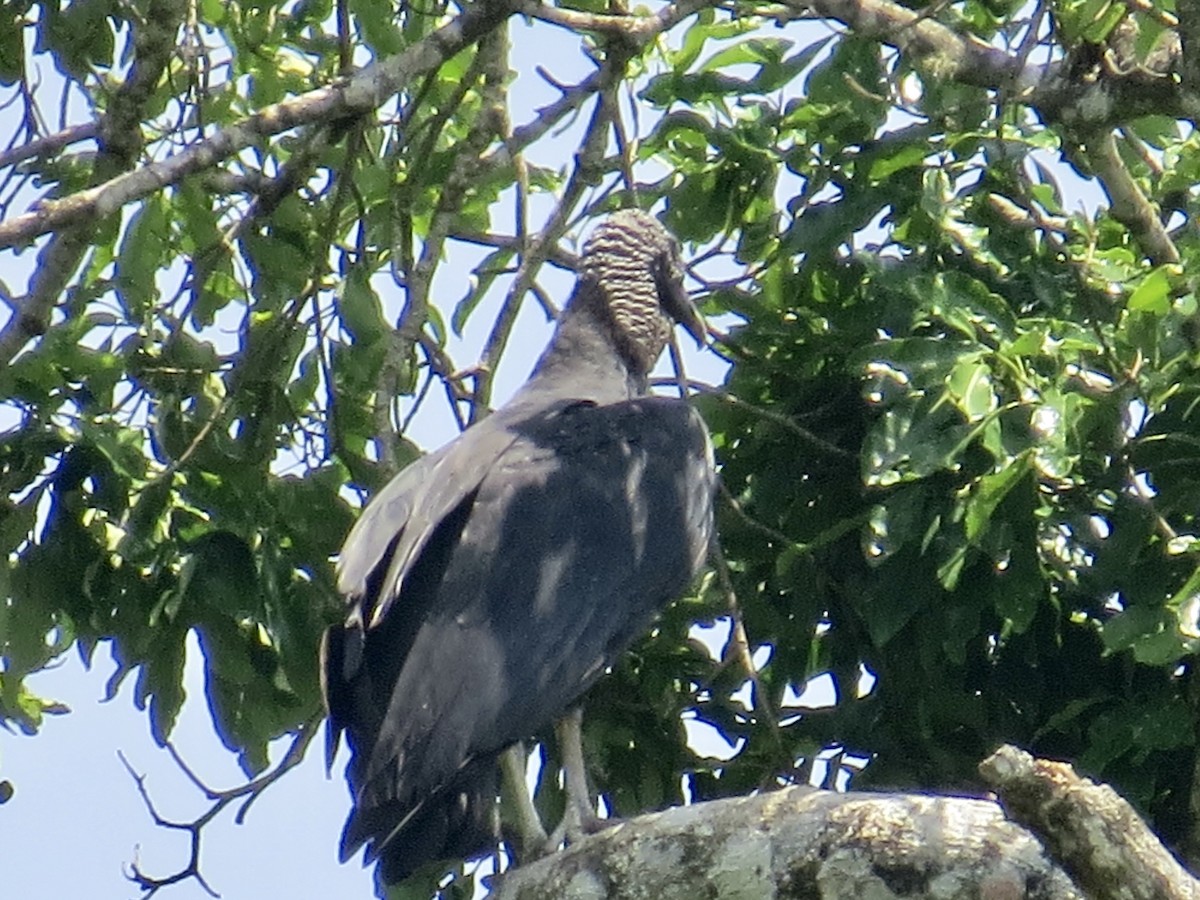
(394, 528)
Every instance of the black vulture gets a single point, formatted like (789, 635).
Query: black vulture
(494, 580)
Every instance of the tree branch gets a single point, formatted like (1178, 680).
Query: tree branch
(963, 58)
(51, 143)
(489, 66)
(248, 793)
(121, 139)
(1127, 203)
(1094, 97)
(1088, 828)
(641, 28)
(803, 842)
(363, 92)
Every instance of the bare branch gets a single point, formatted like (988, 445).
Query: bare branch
(451, 378)
(51, 143)
(489, 65)
(786, 422)
(219, 799)
(641, 28)
(587, 170)
(150, 884)
(548, 116)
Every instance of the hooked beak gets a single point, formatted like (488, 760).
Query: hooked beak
(678, 305)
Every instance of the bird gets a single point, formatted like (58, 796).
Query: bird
(494, 580)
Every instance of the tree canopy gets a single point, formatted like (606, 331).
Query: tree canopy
(957, 439)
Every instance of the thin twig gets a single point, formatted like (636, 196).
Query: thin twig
(769, 414)
(219, 799)
(739, 641)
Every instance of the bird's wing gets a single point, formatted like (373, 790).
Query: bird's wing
(379, 555)
(374, 561)
(394, 527)
(581, 529)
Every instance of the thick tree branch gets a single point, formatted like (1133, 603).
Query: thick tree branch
(1189, 37)
(1127, 203)
(803, 842)
(361, 93)
(1088, 828)
(1075, 95)
(951, 55)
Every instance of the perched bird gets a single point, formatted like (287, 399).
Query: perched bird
(494, 580)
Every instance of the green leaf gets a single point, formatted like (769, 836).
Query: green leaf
(905, 156)
(485, 275)
(12, 64)
(1132, 626)
(360, 308)
(377, 18)
(143, 252)
(160, 682)
(914, 440)
(1153, 294)
(970, 386)
(1164, 725)
(219, 575)
(989, 492)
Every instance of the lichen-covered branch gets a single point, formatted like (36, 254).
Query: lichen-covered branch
(946, 53)
(803, 842)
(1088, 828)
(1069, 92)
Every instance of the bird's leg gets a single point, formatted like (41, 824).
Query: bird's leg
(580, 817)
(531, 838)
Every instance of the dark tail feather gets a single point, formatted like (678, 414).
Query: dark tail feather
(458, 822)
(341, 662)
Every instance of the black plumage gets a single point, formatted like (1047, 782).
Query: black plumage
(494, 580)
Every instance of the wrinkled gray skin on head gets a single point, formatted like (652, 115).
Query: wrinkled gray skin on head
(635, 263)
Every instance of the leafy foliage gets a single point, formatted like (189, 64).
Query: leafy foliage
(957, 439)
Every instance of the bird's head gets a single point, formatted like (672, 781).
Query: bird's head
(635, 262)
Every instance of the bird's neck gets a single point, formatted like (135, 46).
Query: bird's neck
(586, 351)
